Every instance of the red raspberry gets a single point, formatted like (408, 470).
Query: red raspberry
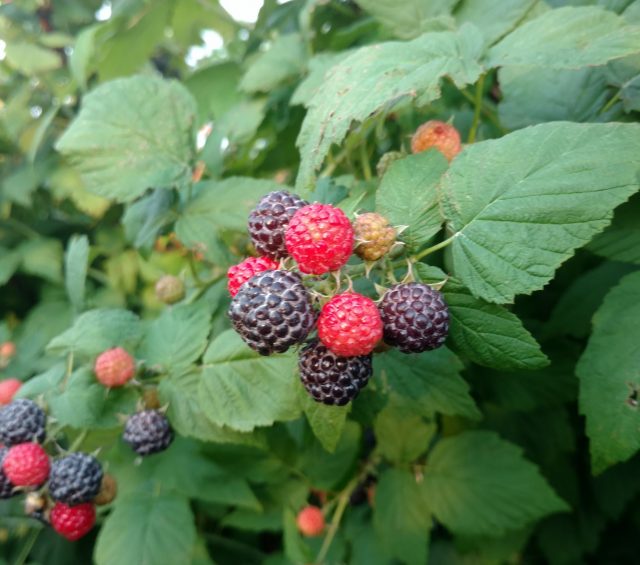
(310, 521)
(73, 522)
(440, 135)
(8, 387)
(26, 465)
(350, 325)
(242, 272)
(320, 238)
(114, 367)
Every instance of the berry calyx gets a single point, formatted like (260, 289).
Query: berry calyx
(108, 490)
(331, 379)
(114, 367)
(415, 317)
(148, 432)
(272, 312)
(374, 236)
(310, 521)
(73, 522)
(8, 388)
(268, 222)
(26, 465)
(350, 325)
(21, 421)
(320, 238)
(75, 479)
(169, 289)
(239, 274)
(438, 135)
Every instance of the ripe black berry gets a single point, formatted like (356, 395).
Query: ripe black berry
(269, 220)
(6, 486)
(331, 379)
(272, 311)
(22, 421)
(415, 317)
(148, 432)
(75, 479)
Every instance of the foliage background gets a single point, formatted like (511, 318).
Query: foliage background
(516, 443)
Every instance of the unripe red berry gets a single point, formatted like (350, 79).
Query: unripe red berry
(114, 367)
(26, 465)
(239, 274)
(320, 238)
(350, 324)
(8, 388)
(439, 135)
(310, 521)
(73, 522)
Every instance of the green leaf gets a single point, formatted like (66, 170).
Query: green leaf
(568, 38)
(31, 59)
(43, 258)
(578, 95)
(402, 516)
(97, 330)
(428, 382)
(132, 134)
(609, 377)
(147, 529)
(85, 403)
(215, 88)
(76, 261)
(370, 81)
(326, 471)
(9, 263)
(519, 206)
(408, 196)
(318, 66)
(283, 60)
(402, 436)
(327, 422)
(176, 338)
(145, 218)
(493, 19)
(181, 393)
(621, 240)
(242, 390)
(479, 484)
(625, 75)
(574, 310)
(411, 17)
(489, 334)
(47, 382)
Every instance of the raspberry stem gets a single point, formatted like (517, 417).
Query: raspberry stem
(433, 248)
(477, 110)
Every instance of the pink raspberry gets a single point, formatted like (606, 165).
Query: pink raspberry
(439, 135)
(114, 367)
(350, 325)
(310, 521)
(8, 388)
(320, 238)
(73, 522)
(26, 465)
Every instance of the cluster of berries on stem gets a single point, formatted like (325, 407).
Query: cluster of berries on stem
(286, 297)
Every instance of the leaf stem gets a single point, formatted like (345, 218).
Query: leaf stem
(78, 441)
(364, 158)
(433, 248)
(27, 547)
(611, 102)
(478, 109)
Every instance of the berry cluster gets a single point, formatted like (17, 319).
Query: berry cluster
(61, 491)
(279, 299)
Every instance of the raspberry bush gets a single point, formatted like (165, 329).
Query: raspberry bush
(355, 283)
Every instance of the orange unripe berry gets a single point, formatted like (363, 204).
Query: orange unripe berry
(7, 349)
(108, 490)
(114, 367)
(439, 135)
(310, 521)
(8, 388)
